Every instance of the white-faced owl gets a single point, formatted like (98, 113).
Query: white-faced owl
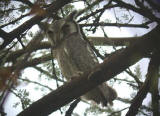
(75, 56)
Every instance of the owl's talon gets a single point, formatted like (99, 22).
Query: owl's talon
(78, 74)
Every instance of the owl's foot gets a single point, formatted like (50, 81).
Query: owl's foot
(77, 74)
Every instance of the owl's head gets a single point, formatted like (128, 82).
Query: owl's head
(61, 29)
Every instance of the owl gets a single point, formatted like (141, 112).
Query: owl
(75, 56)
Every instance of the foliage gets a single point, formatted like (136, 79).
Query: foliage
(96, 110)
(23, 96)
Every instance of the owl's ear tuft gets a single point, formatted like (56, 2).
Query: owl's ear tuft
(72, 15)
(43, 26)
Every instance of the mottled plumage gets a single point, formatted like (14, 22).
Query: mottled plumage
(75, 56)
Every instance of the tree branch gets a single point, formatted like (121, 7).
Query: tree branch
(152, 72)
(30, 4)
(14, 21)
(134, 77)
(48, 74)
(72, 107)
(123, 41)
(34, 82)
(154, 83)
(35, 61)
(87, 8)
(97, 11)
(3, 34)
(144, 12)
(116, 24)
(14, 55)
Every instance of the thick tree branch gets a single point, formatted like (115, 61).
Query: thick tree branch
(154, 83)
(112, 66)
(124, 41)
(116, 24)
(152, 74)
(153, 5)
(128, 101)
(3, 34)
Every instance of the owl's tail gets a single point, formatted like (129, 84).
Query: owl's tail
(108, 93)
(103, 94)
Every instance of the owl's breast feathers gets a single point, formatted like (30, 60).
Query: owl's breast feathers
(75, 55)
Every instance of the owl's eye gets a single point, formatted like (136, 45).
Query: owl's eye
(66, 26)
(49, 32)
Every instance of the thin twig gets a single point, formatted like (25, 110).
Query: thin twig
(72, 107)
(37, 83)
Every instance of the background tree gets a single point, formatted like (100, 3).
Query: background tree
(23, 45)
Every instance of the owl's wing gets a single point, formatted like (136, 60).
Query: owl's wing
(109, 93)
(80, 53)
